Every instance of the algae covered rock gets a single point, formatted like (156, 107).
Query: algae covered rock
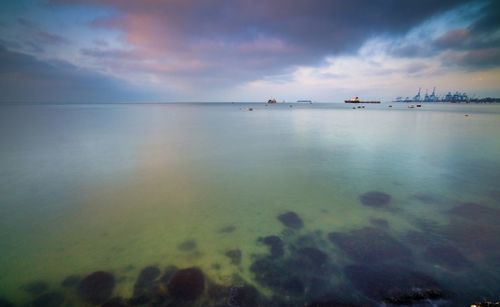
(187, 284)
(97, 287)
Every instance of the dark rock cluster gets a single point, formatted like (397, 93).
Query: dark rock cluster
(299, 269)
(234, 256)
(370, 244)
(187, 284)
(291, 219)
(97, 287)
(394, 284)
(367, 266)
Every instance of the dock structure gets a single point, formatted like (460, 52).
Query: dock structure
(457, 97)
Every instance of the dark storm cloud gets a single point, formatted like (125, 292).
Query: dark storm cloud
(252, 39)
(31, 37)
(490, 18)
(199, 46)
(478, 43)
(23, 78)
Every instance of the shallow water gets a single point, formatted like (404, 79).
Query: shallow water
(120, 187)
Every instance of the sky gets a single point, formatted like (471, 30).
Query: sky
(79, 51)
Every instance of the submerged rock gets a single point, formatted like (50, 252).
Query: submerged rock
(50, 299)
(71, 281)
(167, 273)
(239, 294)
(145, 280)
(370, 244)
(329, 303)
(36, 287)
(437, 250)
(115, 302)
(147, 276)
(418, 238)
(375, 199)
(278, 275)
(394, 285)
(187, 284)
(234, 255)
(474, 238)
(293, 286)
(5, 303)
(218, 294)
(269, 272)
(477, 213)
(311, 258)
(97, 287)
(244, 296)
(447, 256)
(275, 244)
(141, 299)
(306, 271)
(291, 220)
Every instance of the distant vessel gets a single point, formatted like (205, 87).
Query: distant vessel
(307, 101)
(356, 100)
(272, 100)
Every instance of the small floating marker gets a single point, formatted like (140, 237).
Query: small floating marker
(390, 106)
(466, 115)
(250, 109)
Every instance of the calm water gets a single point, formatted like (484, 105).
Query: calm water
(117, 188)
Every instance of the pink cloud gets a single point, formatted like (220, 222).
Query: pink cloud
(453, 38)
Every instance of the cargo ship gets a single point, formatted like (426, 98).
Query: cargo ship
(356, 100)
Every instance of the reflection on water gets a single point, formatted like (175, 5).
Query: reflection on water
(211, 205)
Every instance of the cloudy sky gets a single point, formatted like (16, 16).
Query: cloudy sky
(244, 50)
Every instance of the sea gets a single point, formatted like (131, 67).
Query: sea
(249, 204)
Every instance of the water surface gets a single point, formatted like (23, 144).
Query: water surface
(121, 187)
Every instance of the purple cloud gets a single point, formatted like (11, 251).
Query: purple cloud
(245, 40)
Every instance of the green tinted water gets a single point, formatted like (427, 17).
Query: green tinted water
(120, 187)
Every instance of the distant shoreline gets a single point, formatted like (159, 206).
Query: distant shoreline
(485, 101)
